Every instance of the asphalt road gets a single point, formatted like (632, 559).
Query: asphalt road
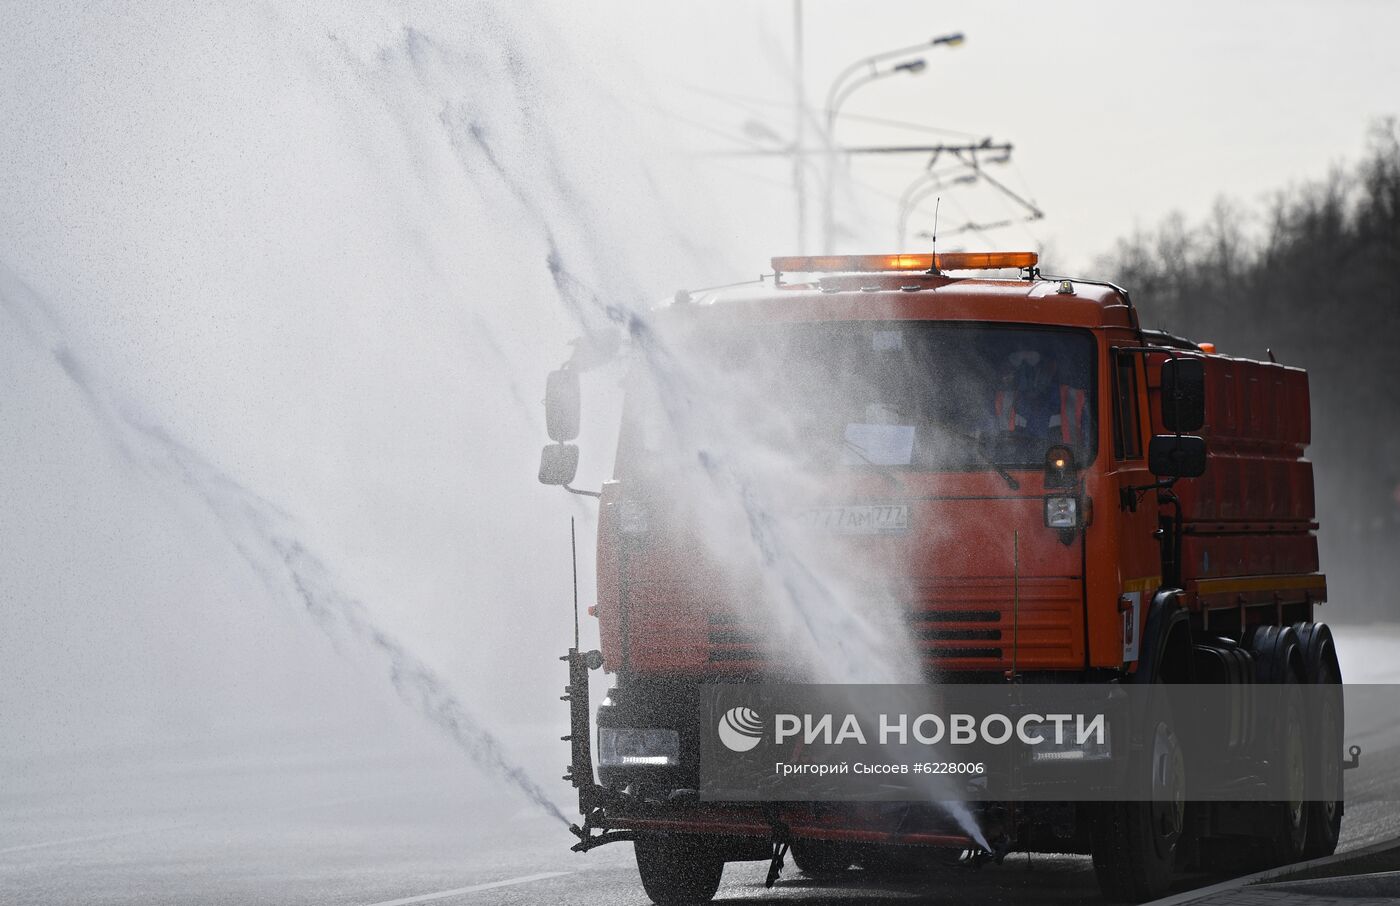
(302, 823)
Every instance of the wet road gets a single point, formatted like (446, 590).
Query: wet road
(305, 823)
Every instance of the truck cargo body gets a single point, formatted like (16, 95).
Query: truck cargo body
(1250, 520)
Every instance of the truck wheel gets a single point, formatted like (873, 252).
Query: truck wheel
(677, 871)
(820, 858)
(1134, 844)
(1324, 810)
(1278, 661)
(1290, 817)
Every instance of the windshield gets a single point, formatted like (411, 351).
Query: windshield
(916, 395)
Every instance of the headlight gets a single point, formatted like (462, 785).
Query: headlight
(1068, 749)
(638, 748)
(1062, 512)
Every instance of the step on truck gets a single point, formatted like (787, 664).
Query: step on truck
(1162, 511)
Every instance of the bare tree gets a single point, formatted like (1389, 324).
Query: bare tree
(1318, 281)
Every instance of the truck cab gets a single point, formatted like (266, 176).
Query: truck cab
(886, 469)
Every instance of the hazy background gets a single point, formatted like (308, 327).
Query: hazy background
(287, 278)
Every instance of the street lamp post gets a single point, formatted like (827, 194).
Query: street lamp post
(860, 73)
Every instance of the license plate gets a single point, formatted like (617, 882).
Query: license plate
(858, 519)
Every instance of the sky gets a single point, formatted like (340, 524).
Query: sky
(1119, 113)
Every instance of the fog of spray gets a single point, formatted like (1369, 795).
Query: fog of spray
(394, 224)
(319, 325)
(265, 536)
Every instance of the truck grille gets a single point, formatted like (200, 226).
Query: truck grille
(959, 623)
(954, 619)
(931, 627)
(965, 623)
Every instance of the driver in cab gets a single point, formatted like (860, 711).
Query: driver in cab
(1033, 401)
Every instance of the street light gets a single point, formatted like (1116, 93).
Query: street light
(860, 73)
(913, 67)
(871, 64)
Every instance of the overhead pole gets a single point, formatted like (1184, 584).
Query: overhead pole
(863, 72)
(799, 179)
(943, 148)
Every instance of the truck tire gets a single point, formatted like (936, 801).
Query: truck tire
(1289, 818)
(821, 859)
(677, 871)
(1134, 844)
(1324, 808)
(1278, 660)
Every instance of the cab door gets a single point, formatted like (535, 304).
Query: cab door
(1139, 560)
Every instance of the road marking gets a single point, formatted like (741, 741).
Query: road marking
(91, 837)
(21, 848)
(161, 828)
(442, 894)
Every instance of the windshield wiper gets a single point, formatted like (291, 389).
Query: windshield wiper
(885, 471)
(986, 458)
(997, 467)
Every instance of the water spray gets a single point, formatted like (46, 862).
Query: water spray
(262, 535)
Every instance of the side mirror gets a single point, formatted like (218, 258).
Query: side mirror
(1177, 456)
(558, 464)
(561, 406)
(1183, 395)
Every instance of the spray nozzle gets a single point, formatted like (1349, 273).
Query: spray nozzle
(996, 851)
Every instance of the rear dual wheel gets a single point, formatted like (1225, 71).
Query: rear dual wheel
(1324, 806)
(1287, 746)
(1282, 831)
(1288, 818)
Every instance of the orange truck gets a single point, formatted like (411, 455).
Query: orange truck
(1165, 530)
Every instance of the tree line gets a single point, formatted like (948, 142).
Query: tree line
(1312, 273)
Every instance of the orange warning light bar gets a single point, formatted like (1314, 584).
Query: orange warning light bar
(979, 261)
(852, 263)
(949, 261)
